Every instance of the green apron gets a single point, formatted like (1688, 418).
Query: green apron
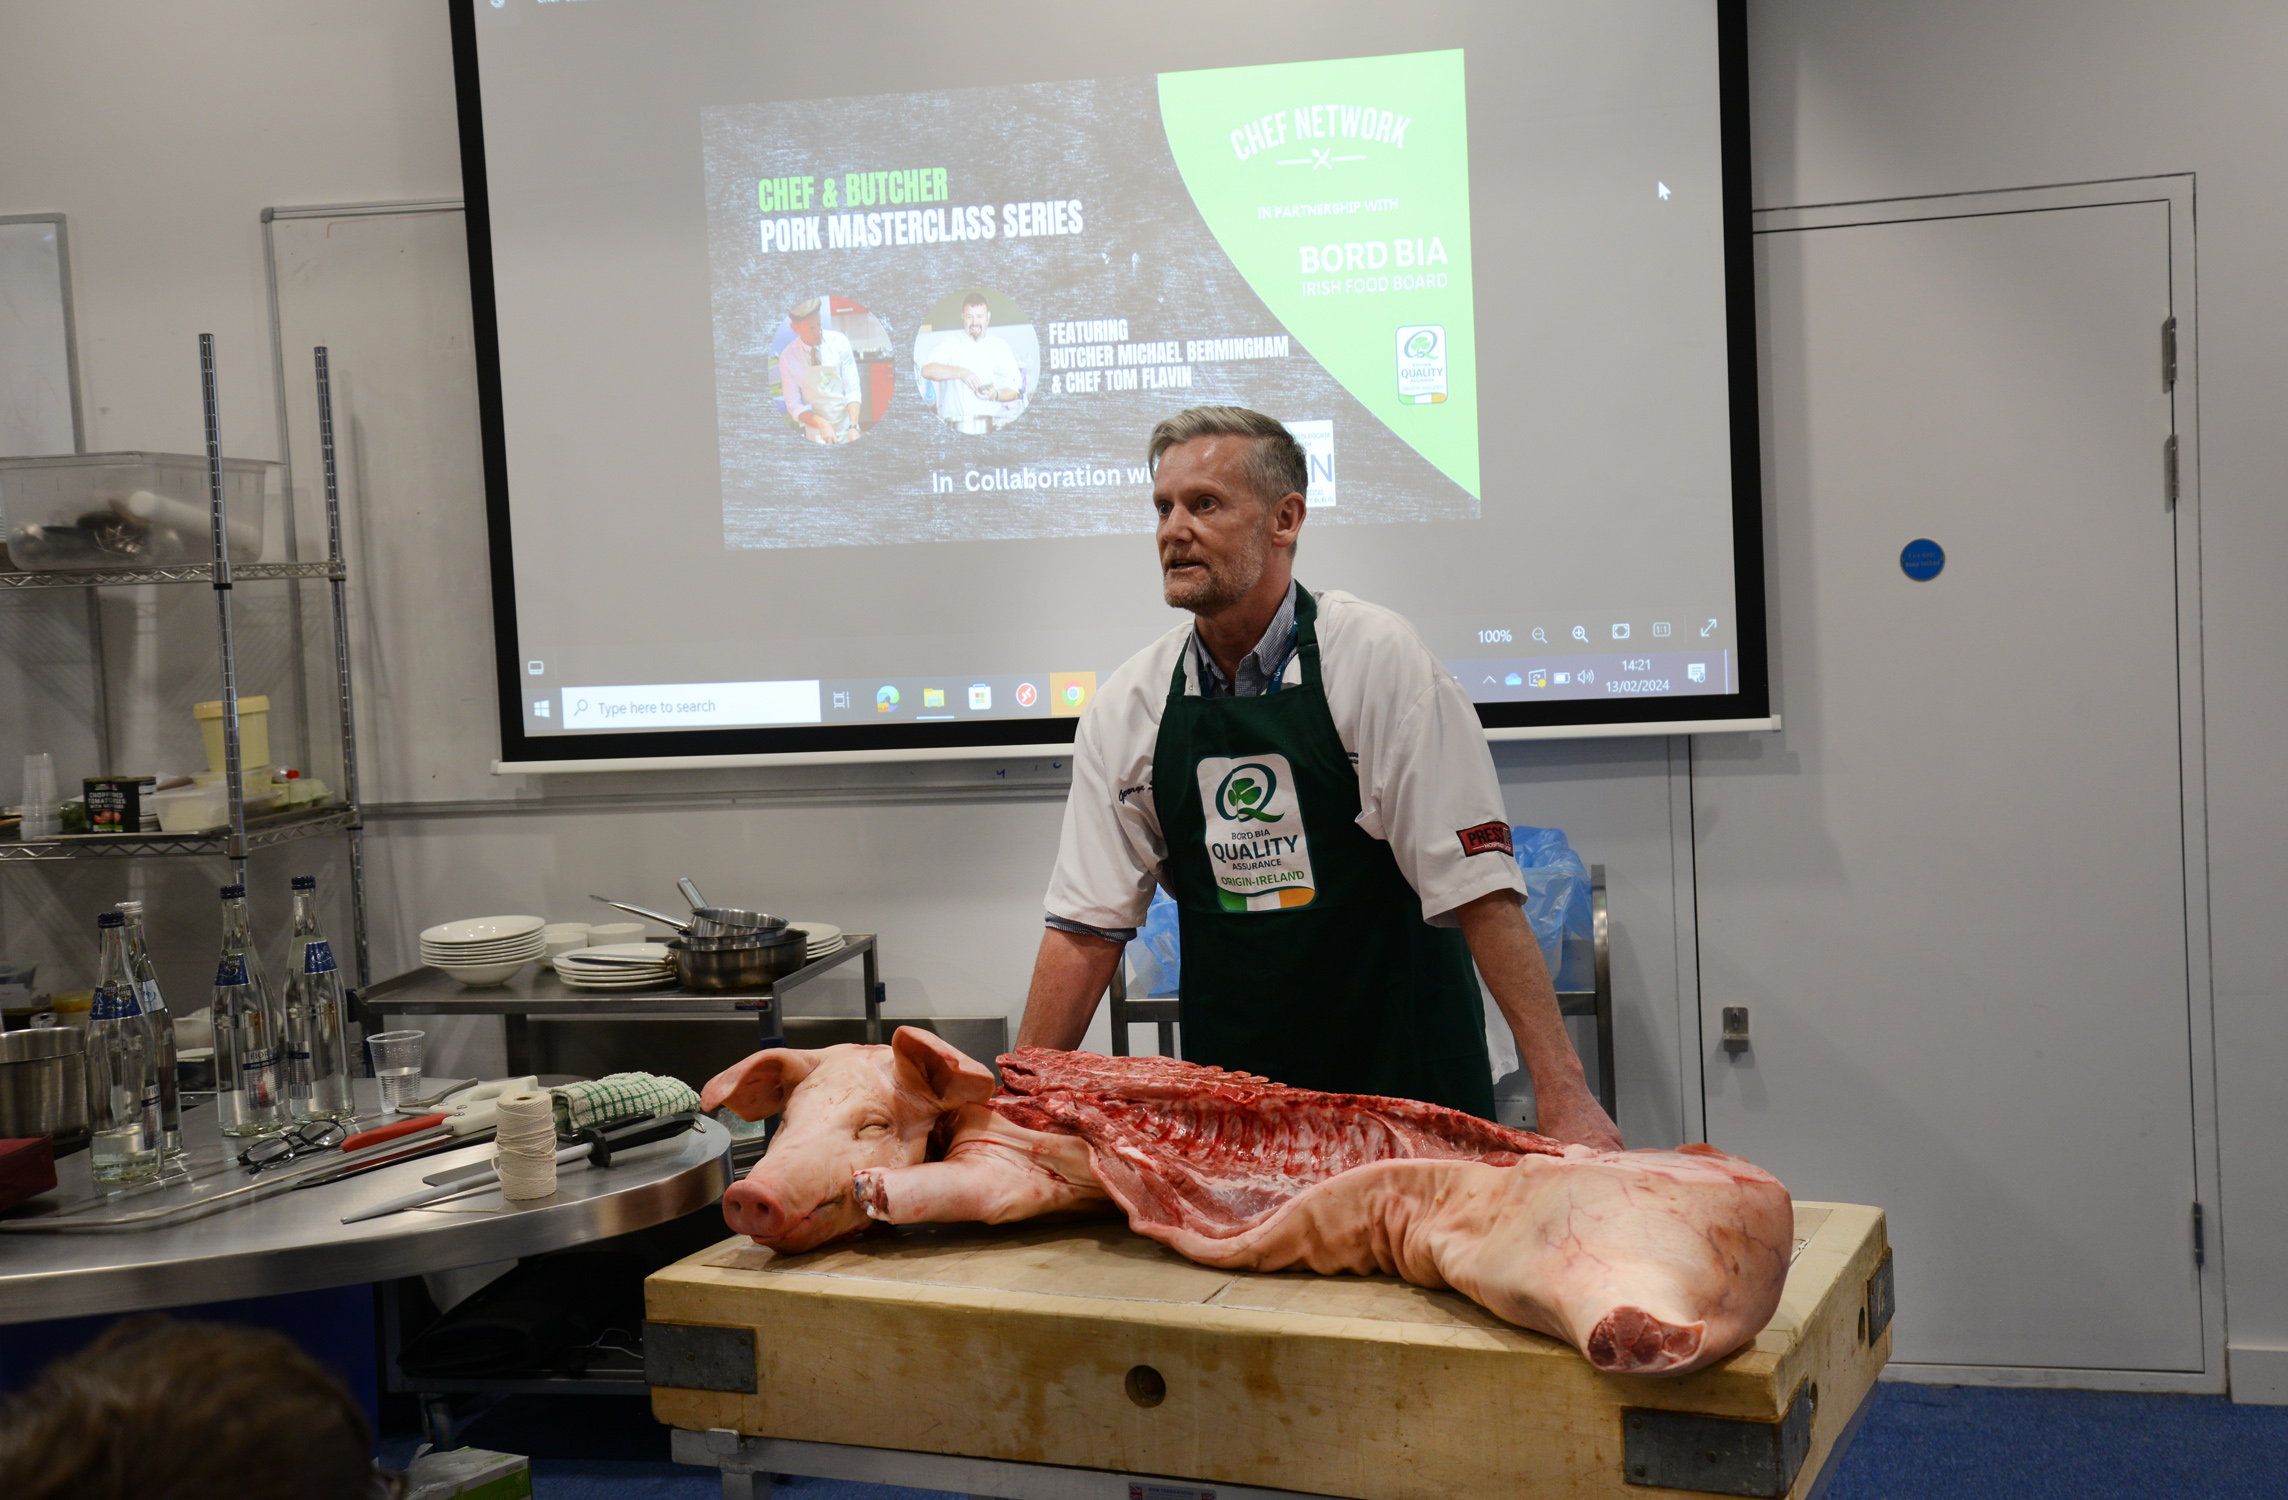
(1306, 958)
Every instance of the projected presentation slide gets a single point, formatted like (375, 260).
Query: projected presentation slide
(948, 315)
(827, 354)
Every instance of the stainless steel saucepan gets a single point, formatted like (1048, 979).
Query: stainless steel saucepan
(748, 962)
(43, 1085)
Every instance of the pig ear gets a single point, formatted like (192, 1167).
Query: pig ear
(944, 1071)
(758, 1088)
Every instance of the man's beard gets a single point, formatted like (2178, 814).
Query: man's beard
(1220, 586)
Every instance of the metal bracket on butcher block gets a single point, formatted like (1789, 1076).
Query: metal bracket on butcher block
(1682, 1450)
(698, 1357)
(1882, 1299)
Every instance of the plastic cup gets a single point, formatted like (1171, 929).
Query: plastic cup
(397, 1065)
(43, 818)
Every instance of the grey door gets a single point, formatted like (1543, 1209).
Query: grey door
(1951, 893)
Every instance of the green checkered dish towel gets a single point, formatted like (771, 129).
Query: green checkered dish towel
(621, 1096)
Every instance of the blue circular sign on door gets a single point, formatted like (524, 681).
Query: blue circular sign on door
(1922, 559)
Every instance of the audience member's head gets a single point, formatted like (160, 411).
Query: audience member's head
(161, 1410)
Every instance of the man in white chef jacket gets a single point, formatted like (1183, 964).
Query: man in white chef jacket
(979, 382)
(818, 377)
(1313, 788)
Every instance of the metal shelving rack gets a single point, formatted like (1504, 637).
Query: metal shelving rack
(242, 835)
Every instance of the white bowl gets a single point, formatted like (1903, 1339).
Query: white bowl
(482, 930)
(476, 976)
(615, 932)
(566, 929)
(556, 945)
(478, 960)
(475, 951)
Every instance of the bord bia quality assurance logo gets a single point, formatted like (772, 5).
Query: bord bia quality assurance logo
(1422, 363)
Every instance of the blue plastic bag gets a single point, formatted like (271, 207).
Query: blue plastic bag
(1556, 890)
(1154, 959)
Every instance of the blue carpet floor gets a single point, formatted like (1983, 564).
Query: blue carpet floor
(1918, 1443)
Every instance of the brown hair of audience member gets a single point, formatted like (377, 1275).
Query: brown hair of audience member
(161, 1410)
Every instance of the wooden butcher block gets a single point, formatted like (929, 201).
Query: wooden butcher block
(1083, 1344)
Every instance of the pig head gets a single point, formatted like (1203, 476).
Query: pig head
(846, 1108)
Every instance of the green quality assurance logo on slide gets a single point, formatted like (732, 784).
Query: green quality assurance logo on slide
(1257, 847)
(1341, 191)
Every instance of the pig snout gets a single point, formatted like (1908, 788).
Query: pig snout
(756, 1209)
(792, 1212)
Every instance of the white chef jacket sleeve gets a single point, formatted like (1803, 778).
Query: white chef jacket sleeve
(1110, 852)
(1426, 774)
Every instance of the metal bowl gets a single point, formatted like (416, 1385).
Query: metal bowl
(43, 1085)
(742, 963)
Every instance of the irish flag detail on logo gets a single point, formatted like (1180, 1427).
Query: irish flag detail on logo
(1257, 847)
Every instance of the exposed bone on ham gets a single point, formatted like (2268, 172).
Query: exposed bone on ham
(1650, 1262)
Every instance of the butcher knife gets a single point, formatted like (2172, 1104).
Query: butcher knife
(596, 1146)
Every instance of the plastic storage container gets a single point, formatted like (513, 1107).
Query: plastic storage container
(194, 808)
(253, 733)
(100, 511)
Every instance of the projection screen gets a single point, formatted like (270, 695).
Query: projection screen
(819, 351)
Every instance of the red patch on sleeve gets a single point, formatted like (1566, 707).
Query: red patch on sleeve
(1486, 838)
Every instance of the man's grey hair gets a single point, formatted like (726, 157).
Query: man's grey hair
(1275, 465)
(976, 299)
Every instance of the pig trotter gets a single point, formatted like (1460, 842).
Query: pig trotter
(1630, 1341)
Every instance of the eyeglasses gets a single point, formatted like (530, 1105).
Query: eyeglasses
(295, 1140)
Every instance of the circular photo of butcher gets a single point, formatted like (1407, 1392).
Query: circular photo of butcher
(831, 369)
(979, 360)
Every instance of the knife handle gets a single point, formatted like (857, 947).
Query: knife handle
(640, 1133)
(382, 1133)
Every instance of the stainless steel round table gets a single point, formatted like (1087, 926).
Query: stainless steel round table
(295, 1240)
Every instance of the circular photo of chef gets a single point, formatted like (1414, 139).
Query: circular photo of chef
(979, 360)
(830, 369)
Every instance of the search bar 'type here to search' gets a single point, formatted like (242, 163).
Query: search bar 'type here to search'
(688, 705)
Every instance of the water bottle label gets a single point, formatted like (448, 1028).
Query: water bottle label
(149, 990)
(231, 971)
(114, 1003)
(318, 958)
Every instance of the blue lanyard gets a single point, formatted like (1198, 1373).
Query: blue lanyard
(1278, 672)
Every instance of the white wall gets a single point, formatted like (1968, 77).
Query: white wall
(164, 131)
(1855, 99)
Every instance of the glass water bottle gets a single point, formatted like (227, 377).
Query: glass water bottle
(250, 1086)
(317, 1043)
(162, 1024)
(125, 1136)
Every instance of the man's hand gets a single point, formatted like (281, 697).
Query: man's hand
(1509, 958)
(1069, 976)
(1575, 1118)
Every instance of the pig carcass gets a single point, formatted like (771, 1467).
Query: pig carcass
(1649, 1262)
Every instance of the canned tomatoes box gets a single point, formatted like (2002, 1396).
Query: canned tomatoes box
(121, 804)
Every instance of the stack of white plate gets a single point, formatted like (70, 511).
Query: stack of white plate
(616, 966)
(484, 950)
(824, 937)
(562, 937)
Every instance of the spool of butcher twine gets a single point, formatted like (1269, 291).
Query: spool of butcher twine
(524, 1146)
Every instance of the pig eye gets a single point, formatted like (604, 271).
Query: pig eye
(875, 1127)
